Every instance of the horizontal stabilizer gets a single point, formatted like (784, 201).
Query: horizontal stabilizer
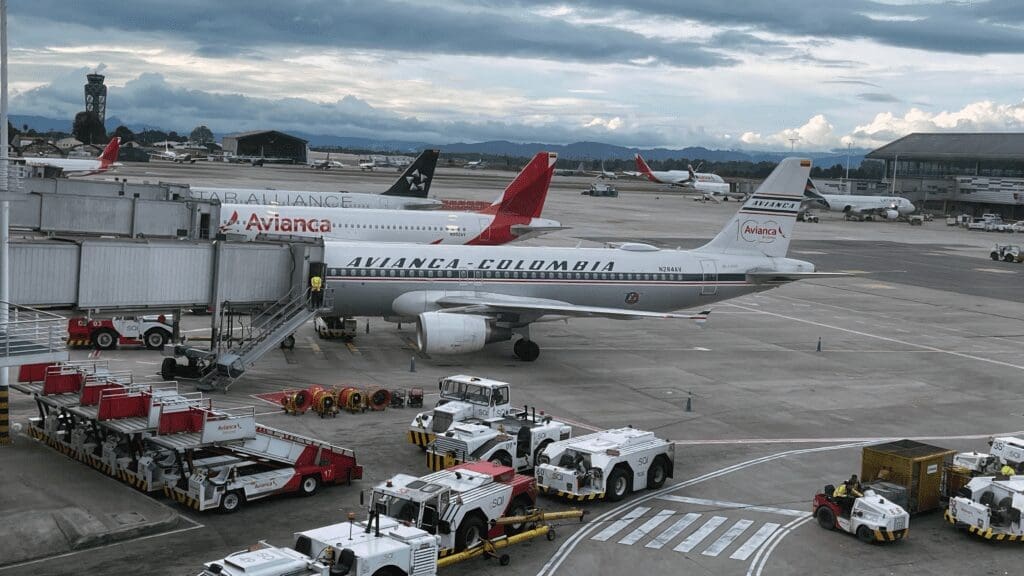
(770, 277)
(523, 231)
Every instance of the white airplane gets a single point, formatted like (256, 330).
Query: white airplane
(476, 164)
(464, 297)
(325, 164)
(409, 192)
(703, 182)
(860, 207)
(515, 215)
(172, 155)
(606, 174)
(78, 166)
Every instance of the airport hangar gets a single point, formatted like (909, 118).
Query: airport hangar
(268, 144)
(956, 173)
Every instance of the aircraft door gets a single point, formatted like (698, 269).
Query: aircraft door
(709, 277)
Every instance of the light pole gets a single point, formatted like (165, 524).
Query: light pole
(5, 217)
(848, 146)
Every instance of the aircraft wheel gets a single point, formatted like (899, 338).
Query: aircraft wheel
(526, 350)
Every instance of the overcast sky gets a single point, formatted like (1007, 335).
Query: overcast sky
(726, 74)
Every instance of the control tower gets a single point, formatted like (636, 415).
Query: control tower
(96, 96)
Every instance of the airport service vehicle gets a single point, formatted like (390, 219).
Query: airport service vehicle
(515, 215)
(516, 440)
(328, 328)
(153, 331)
(266, 462)
(609, 464)
(77, 166)
(917, 467)
(1007, 253)
(1009, 450)
(599, 189)
(990, 507)
(459, 504)
(376, 547)
(409, 191)
(871, 517)
(465, 297)
(462, 398)
(807, 216)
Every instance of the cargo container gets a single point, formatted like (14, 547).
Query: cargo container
(917, 467)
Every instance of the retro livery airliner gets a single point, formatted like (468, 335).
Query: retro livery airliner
(465, 297)
(515, 215)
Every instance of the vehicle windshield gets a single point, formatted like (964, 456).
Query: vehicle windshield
(463, 391)
(574, 460)
(400, 509)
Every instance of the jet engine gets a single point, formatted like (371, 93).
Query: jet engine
(447, 333)
(892, 214)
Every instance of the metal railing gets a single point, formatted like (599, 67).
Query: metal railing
(25, 331)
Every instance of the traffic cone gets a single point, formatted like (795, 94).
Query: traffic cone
(819, 343)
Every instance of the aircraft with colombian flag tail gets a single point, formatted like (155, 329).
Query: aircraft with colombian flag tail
(515, 215)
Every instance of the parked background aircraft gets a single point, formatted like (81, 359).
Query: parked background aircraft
(172, 155)
(78, 166)
(866, 207)
(476, 164)
(409, 192)
(515, 215)
(703, 182)
(326, 163)
(465, 297)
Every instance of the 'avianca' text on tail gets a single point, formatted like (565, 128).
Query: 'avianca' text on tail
(78, 166)
(464, 297)
(513, 216)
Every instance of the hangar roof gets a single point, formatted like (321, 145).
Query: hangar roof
(240, 135)
(954, 146)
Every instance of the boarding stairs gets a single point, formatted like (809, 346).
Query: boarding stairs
(30, 336)
(266, 330)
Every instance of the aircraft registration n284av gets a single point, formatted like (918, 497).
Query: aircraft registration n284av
(515, 215)
(465, 297)
(409, 191)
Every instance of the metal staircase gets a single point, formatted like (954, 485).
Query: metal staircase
(265, 331)
(30, 336)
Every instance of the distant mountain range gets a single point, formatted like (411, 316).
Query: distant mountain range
(575, 151)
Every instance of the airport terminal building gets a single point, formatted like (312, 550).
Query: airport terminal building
(955, 173)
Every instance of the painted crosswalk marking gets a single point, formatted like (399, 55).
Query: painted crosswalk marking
(674, 530)
(725, 504)
(645, 528)
(726, 539)
(700, 534)
(755, 541)
(621, 523)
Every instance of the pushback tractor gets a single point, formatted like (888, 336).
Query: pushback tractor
(463, 398)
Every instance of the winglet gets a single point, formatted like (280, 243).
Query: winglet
(644, 169)
(526, 194)
(109, 155)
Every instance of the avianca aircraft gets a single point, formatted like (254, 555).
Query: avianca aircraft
(408, 192)
(78, 166)
(707, 183)
(513, 216)
(888, 207)
(464, 297)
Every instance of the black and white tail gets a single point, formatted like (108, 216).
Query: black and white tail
(416, 179)
(765, 223)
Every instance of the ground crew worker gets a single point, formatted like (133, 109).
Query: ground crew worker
(853, 487)
(1007, 470)
(316, 284)
(840, 491)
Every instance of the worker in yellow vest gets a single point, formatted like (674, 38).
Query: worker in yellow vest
(316, 286)
(1007, 470)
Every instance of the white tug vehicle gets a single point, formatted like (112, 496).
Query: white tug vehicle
(462, 398)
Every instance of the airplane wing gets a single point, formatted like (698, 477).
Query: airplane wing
(770, 277)
(523, 231)
(534, 309)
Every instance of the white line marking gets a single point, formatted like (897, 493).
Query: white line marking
(621, 523)
(884, 338)
(703, 532)
(551, 566)
(723, 542)
(645, 528)
(673, 531)
(755, 541)
(726, 504)
(831, 440)
(759, 560)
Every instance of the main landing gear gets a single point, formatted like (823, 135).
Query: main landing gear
(526, 350)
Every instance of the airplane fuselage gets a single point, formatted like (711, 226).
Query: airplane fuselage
(701, 182)
(853, 204)
(405, 280)
(310, 198)
(69, 166)
(422, 227)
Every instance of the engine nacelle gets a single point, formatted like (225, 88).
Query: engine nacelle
(892, 214)
(447, 333)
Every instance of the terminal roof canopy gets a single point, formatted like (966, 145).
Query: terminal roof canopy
(954, 146)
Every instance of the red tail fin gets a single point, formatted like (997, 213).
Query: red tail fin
(109, 155)
(526, 194)
(644, 169)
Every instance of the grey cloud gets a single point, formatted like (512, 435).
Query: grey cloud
(228, 26)
(851, 81)
(878, 97)
(150, 100)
